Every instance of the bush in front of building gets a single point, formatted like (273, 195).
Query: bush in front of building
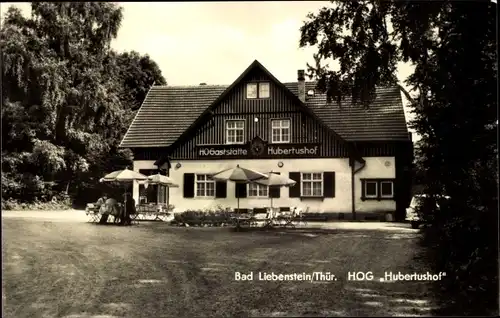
(207, 217)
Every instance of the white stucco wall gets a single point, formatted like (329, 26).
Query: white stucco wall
(374, 168)
(341, 202)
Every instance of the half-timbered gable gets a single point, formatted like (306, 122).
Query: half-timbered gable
(256, 116)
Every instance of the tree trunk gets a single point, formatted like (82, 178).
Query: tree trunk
(60, 128)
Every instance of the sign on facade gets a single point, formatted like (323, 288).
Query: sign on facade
(257, 148)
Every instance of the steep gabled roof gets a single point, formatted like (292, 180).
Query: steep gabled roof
(169, 112)
(384, 120)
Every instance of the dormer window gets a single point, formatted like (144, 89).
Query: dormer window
(258, 90)
(263, 90)
(252, 90)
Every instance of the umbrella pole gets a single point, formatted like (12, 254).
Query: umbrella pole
(272, 209)
(125, 206)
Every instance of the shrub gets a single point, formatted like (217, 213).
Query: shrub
(14, 205)
(206, 217)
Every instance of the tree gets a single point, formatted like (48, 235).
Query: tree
(138, 74)
(67, 98)
(452, 46)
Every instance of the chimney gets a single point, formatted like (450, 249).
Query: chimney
(301, 85)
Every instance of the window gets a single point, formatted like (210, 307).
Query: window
(371, 189)
(312, 184)
(263, 90)
(258, 90)
(257, 190)
(280, 130)
(386, 190)
(235, 131)
(205, 186)
(252, 90)
(377, 189)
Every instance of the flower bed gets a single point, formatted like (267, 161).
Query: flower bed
(217, 217)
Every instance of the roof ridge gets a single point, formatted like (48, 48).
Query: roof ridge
(190, 86)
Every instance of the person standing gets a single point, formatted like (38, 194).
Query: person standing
(129, 209)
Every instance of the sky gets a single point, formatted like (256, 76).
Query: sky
(214, 42)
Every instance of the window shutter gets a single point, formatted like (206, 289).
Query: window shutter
(294, 191)
(329, 184)
(274, 191)
(362, 189)
(220, 189)
(189, 185)
(240, 190)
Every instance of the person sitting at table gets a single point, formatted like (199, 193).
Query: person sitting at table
(101, 201)
(110, 206)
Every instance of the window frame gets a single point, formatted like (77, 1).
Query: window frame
(378, 182)
(385, 196)
(258, 95)
(226, 131)
(371, 196)
(196, 182)
(281, 130)
(321, 181)
(256, 90)
(258, 196)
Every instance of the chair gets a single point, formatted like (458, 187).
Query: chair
(92, 212)
(163, 212)
(299, 216)
(259, 215)
(285, 217)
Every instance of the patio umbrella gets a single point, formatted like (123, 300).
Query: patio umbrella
(274, 179)
(124, 175)
(239, 175)
(160, 179)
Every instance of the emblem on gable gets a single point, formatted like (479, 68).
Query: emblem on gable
(257, 146)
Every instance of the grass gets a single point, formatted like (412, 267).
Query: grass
(68, 269)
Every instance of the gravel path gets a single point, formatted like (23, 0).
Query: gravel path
(56, 265)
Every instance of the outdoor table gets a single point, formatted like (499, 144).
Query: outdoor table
(285, 219)
(162, 213)
(241, 220)
(158, 211)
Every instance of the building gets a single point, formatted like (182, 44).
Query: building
(347, 161)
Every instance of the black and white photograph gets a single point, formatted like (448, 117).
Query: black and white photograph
(249, 159)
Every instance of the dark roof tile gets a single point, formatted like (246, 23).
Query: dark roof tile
(168, 111)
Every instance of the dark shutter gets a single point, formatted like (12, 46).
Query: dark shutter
(240, 190)
(189, 185)
(220, 189)
(329, 184)
(362, 189)
(274, 191)
(294, 191)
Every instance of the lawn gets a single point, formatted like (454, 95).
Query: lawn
(75, 269)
